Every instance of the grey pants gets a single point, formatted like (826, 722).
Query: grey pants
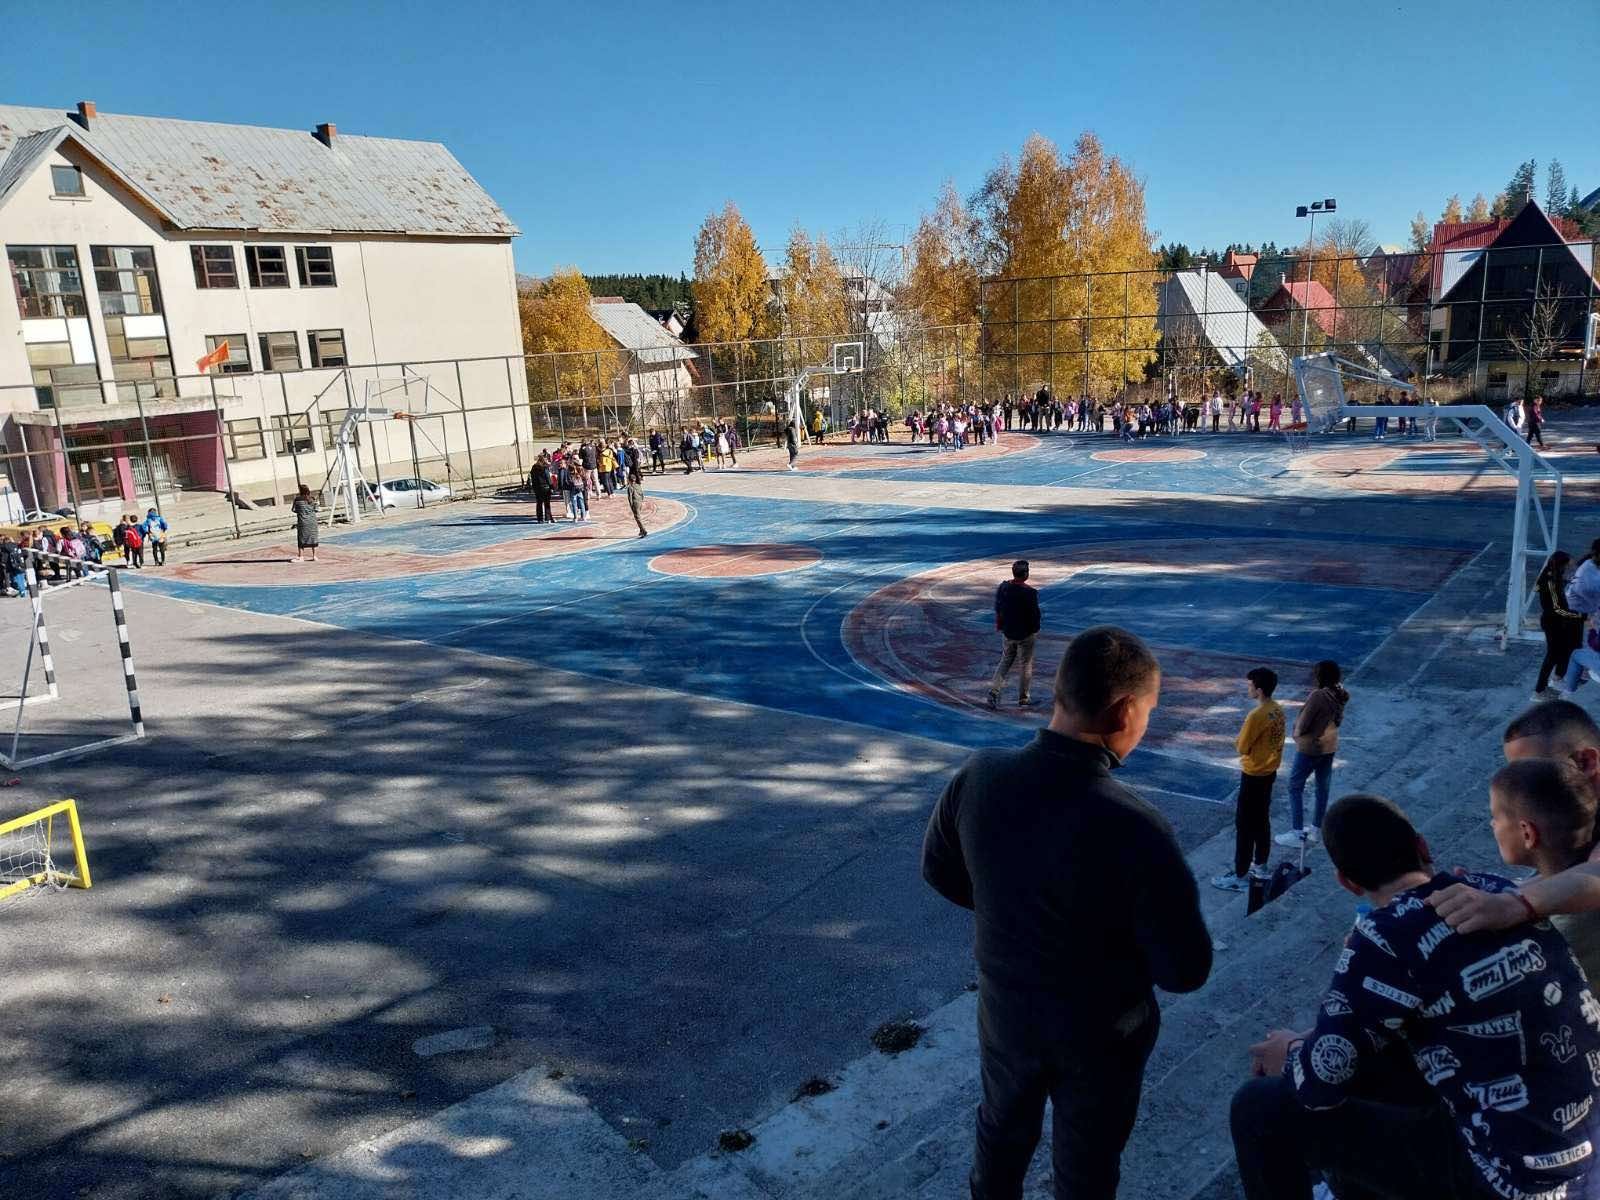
(1022, 649)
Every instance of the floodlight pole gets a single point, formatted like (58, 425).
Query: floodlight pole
(1311, 210)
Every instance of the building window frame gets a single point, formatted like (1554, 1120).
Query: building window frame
(318, 343)
(314, 265)
(244, 440)
(111, 274)
(66, 182)
(271, 357)
(214, 266)
(41, 289)
(291, 434)
(262, 271)
(238, 361)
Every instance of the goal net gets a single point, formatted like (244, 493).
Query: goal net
(41, 850)
(66, 671)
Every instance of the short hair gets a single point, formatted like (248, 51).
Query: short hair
(1019, 569)
(1554, 795)
(1561, 725)
(1370, 840)
(1264, 678)
(1326, 673)
(1101, 665)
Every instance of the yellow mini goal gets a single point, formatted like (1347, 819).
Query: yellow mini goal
(28, 847)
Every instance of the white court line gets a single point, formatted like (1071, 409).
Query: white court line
(1085, 474)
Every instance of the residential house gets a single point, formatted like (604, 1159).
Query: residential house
(137, 246)
(1236, 269)
(649, 374)
(1204, 323)
(1294, 306)
(1513, 305)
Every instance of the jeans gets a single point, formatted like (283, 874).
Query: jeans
(20, 582)
(1093, 1081)
(1370, 1149)
(577, 503)
(1320, 765)
(1582, 658)
(1023, 649)
(1252, 831)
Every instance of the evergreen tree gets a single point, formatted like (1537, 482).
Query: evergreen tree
(1522, 187)
(1555, 189)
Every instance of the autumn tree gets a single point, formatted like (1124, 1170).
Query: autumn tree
(556, 321)
(941, 289)
(732, 298)
(1452, 214)
(1421, 232)
(1481, 211)
(811, 292)
(1061, 234)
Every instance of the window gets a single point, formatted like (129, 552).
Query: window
(213, 267)
(280, 351)
(332, 419)
(67, 181)
(47, 280)
(292, 434)
(144, 363)
(238, 360)
(326, 347)
(125, 277)
(268, 266)
(244, 440)
(315, 264)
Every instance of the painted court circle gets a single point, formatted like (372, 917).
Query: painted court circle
(736, 560)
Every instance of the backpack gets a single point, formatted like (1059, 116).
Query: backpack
(132, 540)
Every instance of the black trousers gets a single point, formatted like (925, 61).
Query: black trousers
(1404, 1148)
(158, 553)
(1562, 635)
(658, 462)
(1252, 830)
(1092, 1078)
(541, 507)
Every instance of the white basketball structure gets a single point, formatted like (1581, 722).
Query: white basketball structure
(349, 485)
(1320, 379)
(848, 358)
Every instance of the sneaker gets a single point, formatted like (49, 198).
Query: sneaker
(1229, 882)
(992, 700)
(1260, 872)
(1292, 838)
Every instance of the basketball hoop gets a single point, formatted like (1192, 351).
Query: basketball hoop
(402, 416)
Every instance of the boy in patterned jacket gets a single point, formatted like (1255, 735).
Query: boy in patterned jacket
(1502, 1028)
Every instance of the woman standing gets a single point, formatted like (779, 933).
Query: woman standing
(721, 447)
(1536, 421)
(305, 523)
(1316, 738)
(572, 489)
(1563, 628)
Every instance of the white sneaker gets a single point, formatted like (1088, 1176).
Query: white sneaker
(1292, 838)
(1229, 882)
(1261, 872)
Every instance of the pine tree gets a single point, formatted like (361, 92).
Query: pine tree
(1555, 189)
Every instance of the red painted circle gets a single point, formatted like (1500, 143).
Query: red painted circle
(728, 561)
(1148, 455)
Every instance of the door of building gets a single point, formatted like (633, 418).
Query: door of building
(94, 467)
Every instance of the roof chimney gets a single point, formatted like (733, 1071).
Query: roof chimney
(86, 112)
(326, 132)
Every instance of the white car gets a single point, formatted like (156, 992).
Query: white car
(409, 492)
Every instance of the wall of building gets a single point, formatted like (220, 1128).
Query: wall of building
(396, 300)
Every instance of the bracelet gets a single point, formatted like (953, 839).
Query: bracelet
(1533, 913)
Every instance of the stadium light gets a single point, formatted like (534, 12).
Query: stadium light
(1311, 210)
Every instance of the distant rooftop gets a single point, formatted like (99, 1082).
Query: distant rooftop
(201, 175)
(634, 329)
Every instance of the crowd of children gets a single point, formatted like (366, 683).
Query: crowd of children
(60, 554)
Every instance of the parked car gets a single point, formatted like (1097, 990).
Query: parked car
(406, 492)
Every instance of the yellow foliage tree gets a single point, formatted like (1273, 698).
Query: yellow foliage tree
(1070, 237)
(1452, 211)
(1479, 210)
(732, 298)
(812, 293)
(556, 320)
(941, 288)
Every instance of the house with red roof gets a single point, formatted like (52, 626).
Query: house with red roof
(1286, 308)
(1513, 306)
(1237, 269)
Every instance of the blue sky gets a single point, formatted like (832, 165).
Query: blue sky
(609, 131)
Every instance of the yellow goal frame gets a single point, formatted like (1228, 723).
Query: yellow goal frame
(78, 878)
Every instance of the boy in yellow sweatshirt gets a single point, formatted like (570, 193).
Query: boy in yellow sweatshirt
(1260, 746)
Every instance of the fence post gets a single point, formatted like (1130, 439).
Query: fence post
(149, 454)
(516, 435)
(222, 444)
(466, 431)
(288, 431)
(66, 464)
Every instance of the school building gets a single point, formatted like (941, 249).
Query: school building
(328, 263)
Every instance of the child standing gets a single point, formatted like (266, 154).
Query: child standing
(133, 543)
(1260, 746)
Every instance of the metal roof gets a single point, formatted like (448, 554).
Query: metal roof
(634, 329)
(1229, 326)
(202, 175)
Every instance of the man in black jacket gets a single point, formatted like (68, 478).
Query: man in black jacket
(1083, 903)
(1016, 616)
